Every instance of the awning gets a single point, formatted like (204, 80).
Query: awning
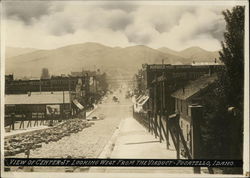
(78, 104)
(143, 100)
(139, 97)
(138, 106)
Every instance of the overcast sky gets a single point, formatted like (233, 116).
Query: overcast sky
(49, 25)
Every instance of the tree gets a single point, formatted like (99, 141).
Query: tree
(232, 78)
(222, 133)
(232, 55)
(45, 73)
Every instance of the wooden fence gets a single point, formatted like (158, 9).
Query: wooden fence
(164, 127)
(33, 119)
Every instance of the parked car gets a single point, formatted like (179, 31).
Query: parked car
(115, 99)
(94, 118)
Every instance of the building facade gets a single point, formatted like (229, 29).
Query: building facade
(190, 95)
(55, 83)
(37, 106)
(159, 81)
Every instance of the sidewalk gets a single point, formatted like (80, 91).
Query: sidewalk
(134, 141)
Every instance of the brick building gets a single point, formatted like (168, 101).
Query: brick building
(55, 83)
(159, 81)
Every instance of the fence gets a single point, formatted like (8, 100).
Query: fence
(33, 119)
(164, 127)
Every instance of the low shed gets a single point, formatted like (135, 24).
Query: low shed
(37, 105)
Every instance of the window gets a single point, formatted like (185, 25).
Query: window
(176, 104)
(187, 133)
(187, 109)
(181, 104)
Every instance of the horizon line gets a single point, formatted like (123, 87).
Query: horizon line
(195, 46)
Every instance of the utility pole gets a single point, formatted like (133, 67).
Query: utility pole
(63, 103)
(40, 86)
(50, 82)
(70, 97)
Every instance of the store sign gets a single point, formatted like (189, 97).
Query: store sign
(53, 109)
(157, 66)
(168, 66)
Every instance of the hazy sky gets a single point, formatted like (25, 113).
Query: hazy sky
(54, 24)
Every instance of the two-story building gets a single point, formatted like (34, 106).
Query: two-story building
(159, 81)
(191, 94)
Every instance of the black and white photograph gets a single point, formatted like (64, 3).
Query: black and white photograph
(125, 87)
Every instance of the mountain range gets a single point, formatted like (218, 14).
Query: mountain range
(193, 53)
(29, 62)
(12, 51)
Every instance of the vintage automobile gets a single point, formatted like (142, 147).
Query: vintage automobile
(115, 99)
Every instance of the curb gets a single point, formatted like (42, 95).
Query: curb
(109, 147)
(107, 150)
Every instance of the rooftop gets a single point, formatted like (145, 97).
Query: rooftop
(38, 98)
(207, 64)
(193, 87)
